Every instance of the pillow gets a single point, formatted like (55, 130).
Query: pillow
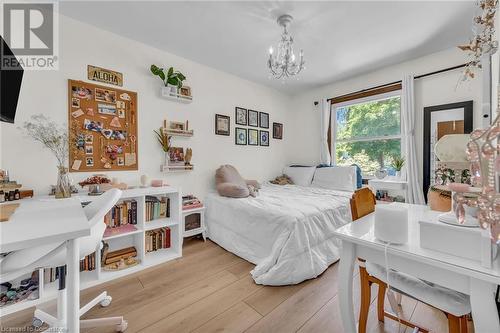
(300, 175)
(340, 178)
(229, 182)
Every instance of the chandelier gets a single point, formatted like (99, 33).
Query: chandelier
(284, 63)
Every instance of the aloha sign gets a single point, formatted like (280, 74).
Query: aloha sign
(104, 75)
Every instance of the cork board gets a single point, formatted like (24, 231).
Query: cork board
(102, 124)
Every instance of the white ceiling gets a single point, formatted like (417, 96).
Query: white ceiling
(340, 38)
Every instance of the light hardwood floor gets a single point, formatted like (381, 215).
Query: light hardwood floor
(211, 290)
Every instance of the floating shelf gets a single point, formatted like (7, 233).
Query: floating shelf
(174, 168)
(178, 133)
(168, 94)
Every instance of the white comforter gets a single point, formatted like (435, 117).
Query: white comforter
(286, 230)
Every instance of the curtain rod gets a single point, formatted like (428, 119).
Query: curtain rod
(399, 81)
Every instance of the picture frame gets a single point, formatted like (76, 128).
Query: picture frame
(263, 120)
(240, 136)
(278, 131)
(177, 125)
(264, 138)
(240, 116)
(253, 118)
(253, 137)
(222, 125)
(176, 156)
(185, 91)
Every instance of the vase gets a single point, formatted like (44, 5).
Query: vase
(398, 174)
(63, 187)
(381, 173)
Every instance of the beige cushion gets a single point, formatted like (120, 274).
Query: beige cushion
(229, 182)
(255, 184)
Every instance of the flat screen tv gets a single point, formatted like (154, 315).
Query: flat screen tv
(10, 84)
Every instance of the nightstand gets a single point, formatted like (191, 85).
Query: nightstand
(193, 222)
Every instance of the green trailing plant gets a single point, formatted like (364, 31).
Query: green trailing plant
(171, 77)
(398, 162)
(163, 139)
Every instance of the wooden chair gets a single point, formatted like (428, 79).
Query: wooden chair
(363, 203)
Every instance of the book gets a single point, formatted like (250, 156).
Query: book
(158, 239)
(122, 213)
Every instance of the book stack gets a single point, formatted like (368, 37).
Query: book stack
(115, 256)
(157, 208)
(191, 202)
(121, 214)
(157, 239)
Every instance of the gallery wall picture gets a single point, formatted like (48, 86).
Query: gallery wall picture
(240, 136)
(241, 116)
(264, 120)
(222, 125)
(277, 131)
(253, 137)
(264, 138)
(253, 118)
(102, 124)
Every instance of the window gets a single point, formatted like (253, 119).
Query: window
(367, 132)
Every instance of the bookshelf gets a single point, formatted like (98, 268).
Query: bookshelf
(137, 238)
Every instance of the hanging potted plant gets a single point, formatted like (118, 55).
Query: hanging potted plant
(172, 79)
(164, 141)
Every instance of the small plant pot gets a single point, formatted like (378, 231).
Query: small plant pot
(169, 90)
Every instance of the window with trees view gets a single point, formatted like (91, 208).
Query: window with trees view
(368, 132)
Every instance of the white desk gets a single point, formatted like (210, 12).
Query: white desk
(43, 221)
(456, 273)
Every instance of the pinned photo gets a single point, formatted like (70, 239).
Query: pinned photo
(120, 161)
(119, 135)
(89, 150)
(125, 97)
(90, 112)
(75, 102)
(92, 125)
(89, 139)
(77, 113)
(121, 113)
(120, 104)
(81, 92)
(89, 161)
(106, 109)
(105, 95)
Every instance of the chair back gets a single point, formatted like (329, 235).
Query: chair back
(95, 212)
(362, 203)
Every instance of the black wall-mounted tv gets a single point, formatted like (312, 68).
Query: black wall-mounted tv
(10, 83)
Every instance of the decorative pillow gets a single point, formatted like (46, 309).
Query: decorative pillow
(253, 183)
(282, 180)
(229, 182)
(300, 175)
(340, 178)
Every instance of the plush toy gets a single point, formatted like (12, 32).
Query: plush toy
(282, 180)
(229, 183)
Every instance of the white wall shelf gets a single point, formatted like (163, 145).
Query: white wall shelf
(136, 238)
(173, 96)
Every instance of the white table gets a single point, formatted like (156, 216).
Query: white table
(43, 221)
(456, 273)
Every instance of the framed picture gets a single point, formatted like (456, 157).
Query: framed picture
(253, 118)
(441, 120)
(177, 126)
(264, 138)
(241, 116)
(222, 125)
(185, 91)
(264, 120)
(176, 156)
(104, 95)
(253, 137)
(277, 131)
(240, 136)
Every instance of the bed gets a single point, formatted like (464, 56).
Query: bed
(286, 231)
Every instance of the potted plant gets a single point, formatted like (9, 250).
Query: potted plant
(172, 79)
(164, 141)
(397, 163)
(55, 138)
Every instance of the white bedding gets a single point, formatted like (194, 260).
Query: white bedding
(286, 230)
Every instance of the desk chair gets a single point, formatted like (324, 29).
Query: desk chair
(24, 261)
(455, 305)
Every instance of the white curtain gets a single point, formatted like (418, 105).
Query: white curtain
(414, 192)
(324, 124)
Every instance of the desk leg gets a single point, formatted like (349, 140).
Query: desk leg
(73, 285)
(345, 286)
(484, 310)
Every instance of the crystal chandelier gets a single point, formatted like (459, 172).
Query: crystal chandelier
(284, 63)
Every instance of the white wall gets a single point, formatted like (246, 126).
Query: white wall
(214, 92)
(432, 90)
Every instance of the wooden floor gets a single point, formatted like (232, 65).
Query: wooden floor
(211, 290)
